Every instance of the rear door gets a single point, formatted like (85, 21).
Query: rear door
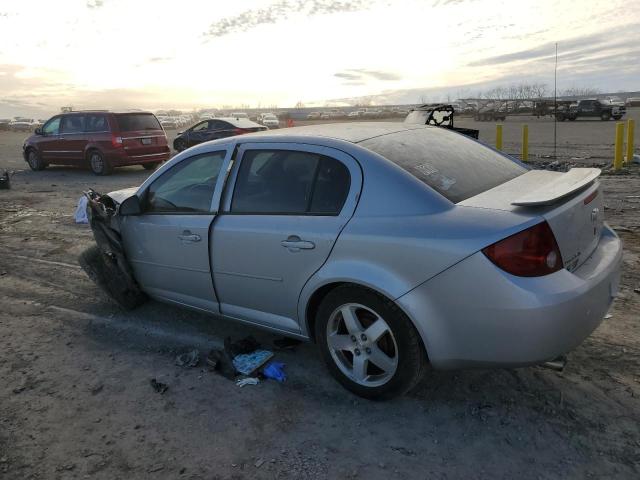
(142, 135)
(168, 244)
(286, 206)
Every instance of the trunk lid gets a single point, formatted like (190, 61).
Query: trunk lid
(570, 202)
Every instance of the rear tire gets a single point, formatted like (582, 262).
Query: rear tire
(99, 164)
(35, 161)
(391, 364)
(104, 271)
(150, 166)
(617, 117)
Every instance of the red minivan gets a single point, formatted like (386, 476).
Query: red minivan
(100, 139)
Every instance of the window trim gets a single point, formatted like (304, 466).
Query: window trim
(144, 189)
(295, 147)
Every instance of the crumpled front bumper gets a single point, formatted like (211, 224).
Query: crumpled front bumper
(475, 314)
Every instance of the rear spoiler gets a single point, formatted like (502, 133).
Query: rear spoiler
(554, 187)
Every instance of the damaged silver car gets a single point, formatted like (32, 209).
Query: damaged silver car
(395, 247)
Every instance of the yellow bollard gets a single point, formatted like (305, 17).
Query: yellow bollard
(617, 158)
(525, 143)
(630, 128)
(499, 137)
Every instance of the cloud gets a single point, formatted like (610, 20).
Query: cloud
(95, 3)
(576, 46)
(280, 11)
(358, 76)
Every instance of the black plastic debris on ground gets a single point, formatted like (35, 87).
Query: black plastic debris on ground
(286, 343)
(220, 361)
(5, 181)
(243, 346)
(158, 386)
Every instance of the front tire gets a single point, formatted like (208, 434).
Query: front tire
(368, 344)
(605, 116)
(35, 161)
(179, 145)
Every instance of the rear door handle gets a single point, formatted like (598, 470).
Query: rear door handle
(295, 243)
(187, 236)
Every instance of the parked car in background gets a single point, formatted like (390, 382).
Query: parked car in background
(633, 102)
(168, 123)
(4, 123)
(239, 115)
(354, 114)
(23, 124)
(99, 139)
(592, 108)
(313, 116)
(269, 120)
(214, 129)
(469, 258)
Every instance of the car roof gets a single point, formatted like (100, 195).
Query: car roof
(351, 132)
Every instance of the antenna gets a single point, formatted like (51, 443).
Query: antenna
(555, 107)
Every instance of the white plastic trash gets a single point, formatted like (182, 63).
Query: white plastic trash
(81, 211)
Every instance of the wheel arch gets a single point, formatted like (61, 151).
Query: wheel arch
(313, 297)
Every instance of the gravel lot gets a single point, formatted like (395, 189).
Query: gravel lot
(76, 402)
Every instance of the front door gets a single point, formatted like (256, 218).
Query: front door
(168, 244)
(73, 139)
(288, 205)
(48, 145)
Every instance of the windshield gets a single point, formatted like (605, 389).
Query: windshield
(454, 165)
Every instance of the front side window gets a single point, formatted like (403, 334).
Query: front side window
(73, 124)
(52, 127)
(186, 188)
(290, 182)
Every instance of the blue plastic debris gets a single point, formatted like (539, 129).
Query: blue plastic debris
(275, 370)
(248, 363)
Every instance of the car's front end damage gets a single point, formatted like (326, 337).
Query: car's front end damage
(106, 262)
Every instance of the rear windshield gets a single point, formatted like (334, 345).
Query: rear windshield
(131, 122)
(454, 165)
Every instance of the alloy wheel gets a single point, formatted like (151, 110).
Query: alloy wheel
(362, 345)
(97, 163)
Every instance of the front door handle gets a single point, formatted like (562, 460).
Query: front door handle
(295, 243)
(187, 236)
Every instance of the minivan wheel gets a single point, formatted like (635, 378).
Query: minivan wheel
(368, 344)
(99, 164)
(35, 161)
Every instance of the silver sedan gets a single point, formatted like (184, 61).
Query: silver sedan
(396, 248)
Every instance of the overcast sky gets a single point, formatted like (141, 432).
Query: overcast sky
(202, 53)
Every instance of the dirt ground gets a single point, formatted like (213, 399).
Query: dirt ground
(75, 371)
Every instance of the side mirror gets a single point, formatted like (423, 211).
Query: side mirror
(38, 131)
(131, 206)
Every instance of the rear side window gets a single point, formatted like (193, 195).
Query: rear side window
(96, 123)
(454, 165)
(131, 122)
(290, 182)
(73, 124)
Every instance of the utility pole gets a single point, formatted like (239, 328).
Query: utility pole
(555, 107)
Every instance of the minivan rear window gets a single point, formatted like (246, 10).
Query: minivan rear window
(454, 165)
(130, 122)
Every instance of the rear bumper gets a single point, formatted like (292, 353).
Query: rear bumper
(120, 158)
(474, 314)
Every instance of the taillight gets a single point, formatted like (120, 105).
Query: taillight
(531, 253)
(239, 131)
(116, 142)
